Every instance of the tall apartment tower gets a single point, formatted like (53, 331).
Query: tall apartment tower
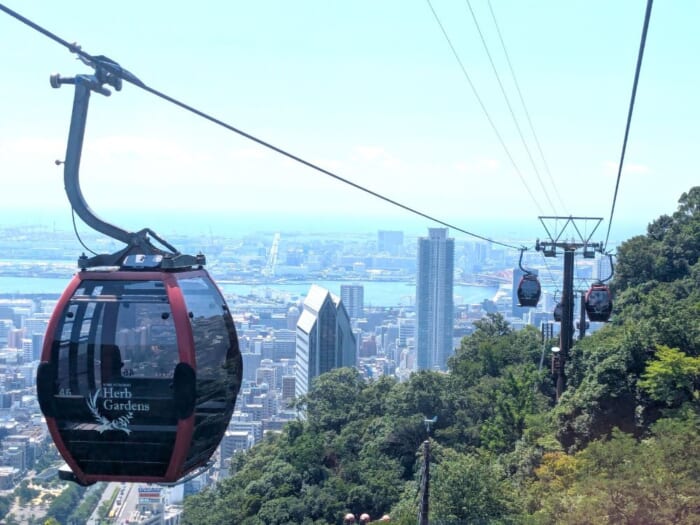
(434, 301)
(353, 298)
(324, 338)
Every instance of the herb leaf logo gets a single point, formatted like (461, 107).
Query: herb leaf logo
(120, 423)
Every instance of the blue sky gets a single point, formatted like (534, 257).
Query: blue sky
(367, 89)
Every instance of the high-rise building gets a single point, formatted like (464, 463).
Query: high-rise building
(353, 298)
(35, 325)
(324, 338)
(407, 330)
(285, 344)
(6, 326)
(292, 318)
(37, 346)
(265, 374)
(434, 301)
(288, 387)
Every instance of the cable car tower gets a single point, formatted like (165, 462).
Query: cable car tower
(550, 248)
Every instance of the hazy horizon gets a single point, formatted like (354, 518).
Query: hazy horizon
(224, 224)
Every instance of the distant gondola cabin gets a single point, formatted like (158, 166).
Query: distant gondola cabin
(598, 303)
(529, 290)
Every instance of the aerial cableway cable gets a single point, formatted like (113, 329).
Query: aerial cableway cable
(483, 108)
(510, 109)
(640, 55)
(117, 70)
(522, 101)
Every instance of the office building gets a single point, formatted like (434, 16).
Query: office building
(288, 388)
(285, 344)
(353, 298)
(434, 301)
(324, 338)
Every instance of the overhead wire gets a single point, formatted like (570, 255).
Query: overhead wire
(638, 68)
(510, 108)
(549, 270)
(525, 110)
(484, 109)
(128, 77)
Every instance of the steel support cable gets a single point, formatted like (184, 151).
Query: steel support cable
(527, 113)
(549, 270)
(640, 55)
(510, 108)
(483, 107)
(128, 77)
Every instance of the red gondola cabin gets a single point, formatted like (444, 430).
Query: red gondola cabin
(139, 375)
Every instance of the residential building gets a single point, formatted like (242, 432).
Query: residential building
(434, 300)
(353, 298)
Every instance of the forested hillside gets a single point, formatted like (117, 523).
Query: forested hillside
(621, 446)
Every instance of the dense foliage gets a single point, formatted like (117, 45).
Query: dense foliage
(621, 446)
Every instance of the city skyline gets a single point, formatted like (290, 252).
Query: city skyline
(391, 110)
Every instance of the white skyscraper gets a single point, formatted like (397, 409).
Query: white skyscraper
(434, 301)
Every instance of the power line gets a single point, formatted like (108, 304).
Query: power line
(510, 107)
(640, 55)
(117, 70)
(483, 106)
(522, 101)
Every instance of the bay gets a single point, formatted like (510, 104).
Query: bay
(376, 293)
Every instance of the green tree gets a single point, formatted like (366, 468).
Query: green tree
(468, 489)
(329, 401)
(672, 378)
(25, 492)
(65, 503)
(513, 401)
(5, 503)
(668, 251)
(625, 481)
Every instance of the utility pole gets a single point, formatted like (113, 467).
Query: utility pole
(582, 317)
(568, 246)
(425, 486)
(424, 509)
(547, 329)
